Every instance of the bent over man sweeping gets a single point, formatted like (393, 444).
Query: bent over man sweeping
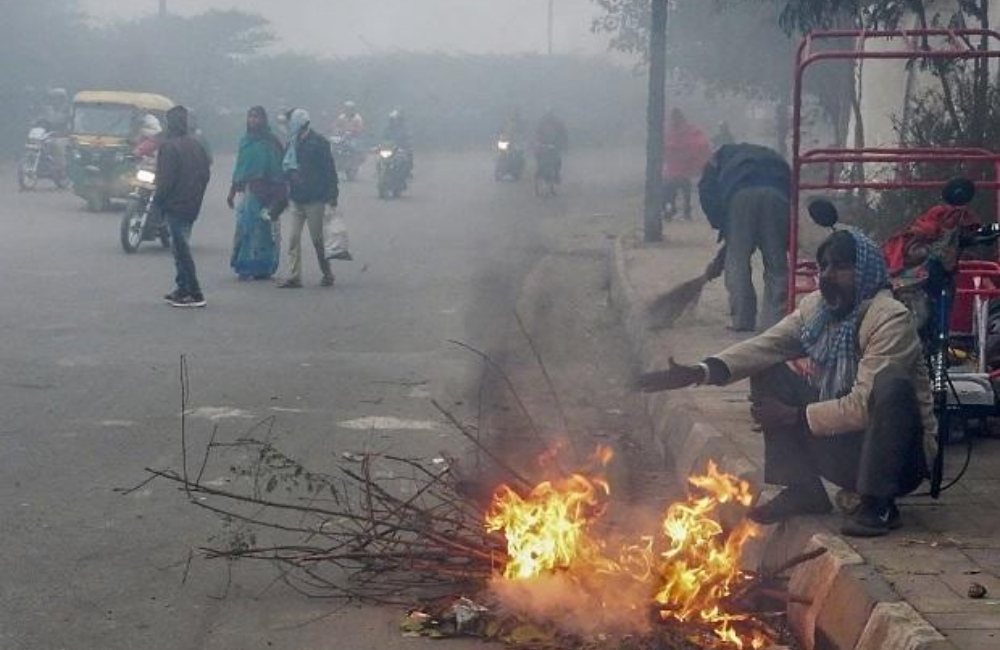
(861, 417)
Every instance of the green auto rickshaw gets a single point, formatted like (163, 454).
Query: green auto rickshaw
(104, 130)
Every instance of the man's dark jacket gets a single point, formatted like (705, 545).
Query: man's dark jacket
(182, 173)
(315, 181)
(735, 167)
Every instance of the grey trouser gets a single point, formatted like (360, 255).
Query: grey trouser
(313, 214)
(757, 219)
(885, 460)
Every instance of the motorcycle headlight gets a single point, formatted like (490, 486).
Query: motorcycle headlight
(145, 176)
(385, 153)
(503, 145)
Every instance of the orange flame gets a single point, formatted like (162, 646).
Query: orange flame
(702, 564)
(690, 566)
(548, 529)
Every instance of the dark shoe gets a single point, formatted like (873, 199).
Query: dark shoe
(875, 517)
(195, 300)
(791, 502)
(290, 284)
(176, 294)
(327, 281)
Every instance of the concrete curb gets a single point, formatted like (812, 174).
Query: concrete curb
(852, 607)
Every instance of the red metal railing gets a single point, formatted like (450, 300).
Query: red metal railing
(916, 45)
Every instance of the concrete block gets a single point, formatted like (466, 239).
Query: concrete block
(813, 580)
(855, 591)
(897, 626)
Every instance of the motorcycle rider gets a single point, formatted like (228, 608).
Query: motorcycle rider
(347, 132)
(510, 160)
(551, 132)
(513, 127)
(149, 136)
(55, 119)
(56, 112)
(349, 123)
(397, 134)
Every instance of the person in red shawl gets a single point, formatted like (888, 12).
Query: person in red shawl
(685, 151)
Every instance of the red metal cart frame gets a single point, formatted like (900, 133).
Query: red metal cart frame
(949, 44)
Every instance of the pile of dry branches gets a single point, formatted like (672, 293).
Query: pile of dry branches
(375, 527)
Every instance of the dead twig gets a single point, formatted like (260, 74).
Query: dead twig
(525, 483)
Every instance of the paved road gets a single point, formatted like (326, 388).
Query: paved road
(89, 389)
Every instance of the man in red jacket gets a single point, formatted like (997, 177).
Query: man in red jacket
(685, 151)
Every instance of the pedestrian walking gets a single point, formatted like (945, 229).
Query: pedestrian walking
(258, 195)
(313, 190)
(685, 152)
(182, 173)
(744, 193)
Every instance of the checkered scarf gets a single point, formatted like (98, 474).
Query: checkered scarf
(830, 343)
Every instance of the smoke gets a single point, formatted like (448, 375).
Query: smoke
(596, 603)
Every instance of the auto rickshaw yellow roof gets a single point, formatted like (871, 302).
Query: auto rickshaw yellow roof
(150, 101)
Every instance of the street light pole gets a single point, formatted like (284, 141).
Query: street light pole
(551, 15)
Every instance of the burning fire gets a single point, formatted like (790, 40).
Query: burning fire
(687, 569)
(548, 529)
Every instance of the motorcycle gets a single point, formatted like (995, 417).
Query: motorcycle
(509, 161)
(547, 164)
(348, 155)
(392, 170)
(39, 161)
(142, 221)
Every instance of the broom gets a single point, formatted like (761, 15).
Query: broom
(664, 311)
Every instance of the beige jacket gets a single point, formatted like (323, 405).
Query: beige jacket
(887, 335)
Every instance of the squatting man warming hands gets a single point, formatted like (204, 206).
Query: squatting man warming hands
(861, 416)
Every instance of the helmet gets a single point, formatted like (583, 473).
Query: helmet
(58, 95)
(150, 126)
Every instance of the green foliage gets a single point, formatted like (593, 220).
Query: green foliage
(729, 46)
(271, 469)
(930, 125)
(806, 15)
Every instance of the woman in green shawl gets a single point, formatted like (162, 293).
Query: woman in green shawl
(258, 194)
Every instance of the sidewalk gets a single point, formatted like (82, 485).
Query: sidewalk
(906, 591)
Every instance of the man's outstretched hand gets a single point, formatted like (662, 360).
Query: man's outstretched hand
(675, 376)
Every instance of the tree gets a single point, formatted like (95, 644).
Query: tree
(804, 15)
(188, 58)
(702, 38)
